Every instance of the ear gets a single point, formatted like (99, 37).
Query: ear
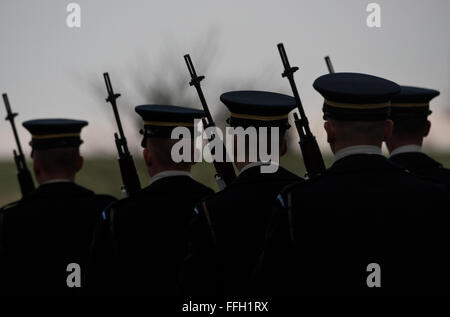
(426, 131)
(235, 146)
(79, 164)
(388, 129)
(330, 131)
(283, 147)
(36, 165)
(147, 157)
(390, 141)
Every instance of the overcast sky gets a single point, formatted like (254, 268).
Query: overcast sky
(50, 70)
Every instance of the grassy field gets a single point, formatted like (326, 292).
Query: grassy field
(102, 174)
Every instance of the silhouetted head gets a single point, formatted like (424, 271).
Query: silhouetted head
(260, 122)
(409, 111)
(60, 163)
(161, 152)
(356, 108)
(55, 148)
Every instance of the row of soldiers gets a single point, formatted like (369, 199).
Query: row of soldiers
(265, 233)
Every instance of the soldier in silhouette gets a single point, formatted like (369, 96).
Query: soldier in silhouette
(142, 240)
(229, 231)
(44, 232)
(328, 232)
(409, 112)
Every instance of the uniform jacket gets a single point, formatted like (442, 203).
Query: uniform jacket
(142, 240)
(44, 232)
(327, 231)
(230, 230)
(423, 166)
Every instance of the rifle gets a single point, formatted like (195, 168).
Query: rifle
(329, 65)
(225, 173)
(312, 157)
(23, 173)
(130, 178)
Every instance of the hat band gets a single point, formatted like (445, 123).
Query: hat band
(358, 105)
(409, 105)
(169, 124)
(55, 136)
(258, 118)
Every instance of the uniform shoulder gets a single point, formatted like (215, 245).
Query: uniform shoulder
(141, 195)
(217, 195)
(10, 205)
(414, 183)
(412, 177)
(22, 203)
(127, 201)
(282, 175)
(445, 170)
(304, 183)
(89, 195)
(286, 174)
(104, 200)
(201, 187)
(105, 197)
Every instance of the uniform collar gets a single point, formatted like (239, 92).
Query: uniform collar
(255, 164)
(410, 148)
(57, 180)
(357, 149)
(170, 173)
(250, 165)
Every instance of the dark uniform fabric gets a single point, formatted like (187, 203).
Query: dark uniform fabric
(229, 232)
(411, 108)
(43, 233)
(423, 166)
(364, 209)
(142, 241)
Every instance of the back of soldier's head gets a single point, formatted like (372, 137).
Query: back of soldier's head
(259, 119)
(160, 121)
(356, 106)
(58, 160)
(161, 150)
(410, 110)
(410, 127)
(359, 132)
(55, 147)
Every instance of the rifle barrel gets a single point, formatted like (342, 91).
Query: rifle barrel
(10, 117)
(225, 170)
(329, 64)
(23, 174)
(112, 97)
(312, 157)
(289, 73)
(195, 81)
(128, 170)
